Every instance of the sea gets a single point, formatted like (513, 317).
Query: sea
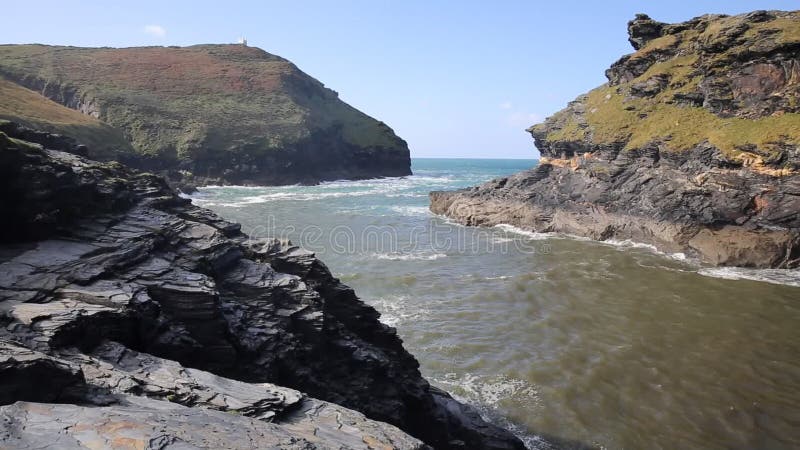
(568, 342)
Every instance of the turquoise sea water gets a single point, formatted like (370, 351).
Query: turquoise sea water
(561, 339)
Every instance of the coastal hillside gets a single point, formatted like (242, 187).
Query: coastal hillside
(693, 145)
(213, 113)
(30, 109)
(130, 315)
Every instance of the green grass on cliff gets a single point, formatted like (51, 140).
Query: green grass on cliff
(782, 30)
(681, 71)
(35, 111)
(611, 114)
(179, 102)
(655, 45)
(638, 122)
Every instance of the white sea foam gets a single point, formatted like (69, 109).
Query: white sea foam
(623, 244)
(627, 243)
(486, 394)
(789, 277)
(501, 240)
(447, 220)
(412, 210)
(397, 183)
(423, 179)
(775, 276)
(528, 234)
(282, 196)
(395, 310)
(407, 195)
(408, 256)
(488, 390)
(212, 187)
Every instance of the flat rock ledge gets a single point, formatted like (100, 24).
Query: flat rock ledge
(131, 318)
(680, 203)
(126, 399)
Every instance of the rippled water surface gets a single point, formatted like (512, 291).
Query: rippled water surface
(563, 340)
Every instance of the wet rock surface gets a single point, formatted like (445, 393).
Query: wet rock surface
(162, 324)
(693, 146)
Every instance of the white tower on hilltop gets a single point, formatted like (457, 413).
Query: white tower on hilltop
(242, 41)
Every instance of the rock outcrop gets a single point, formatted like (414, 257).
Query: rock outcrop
(130, 315)
(202, 114)
(115, 397)
(693, 146)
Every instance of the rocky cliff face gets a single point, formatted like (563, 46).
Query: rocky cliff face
(131, 317)
(693, 145)
(208, 113)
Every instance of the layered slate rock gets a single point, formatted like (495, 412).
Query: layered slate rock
(115, 397)
(693, 146)
(202, 114)
(172, 316)
(29, 375)
(141, 422)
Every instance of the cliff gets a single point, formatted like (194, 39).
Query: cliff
(206, 113)
(693, 145)
(132, 318)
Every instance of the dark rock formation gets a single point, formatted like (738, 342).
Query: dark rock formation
(119, 289)
(693, 146)
(205, 113)
(45, 139)
(120, 397)
(642, 30)
(31, 376)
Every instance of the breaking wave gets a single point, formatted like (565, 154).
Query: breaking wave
(408, 256)
(774, 276)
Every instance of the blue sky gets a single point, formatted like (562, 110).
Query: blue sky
(455, 79)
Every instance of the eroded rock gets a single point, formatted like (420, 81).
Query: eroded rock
(642, 30)
(28, 375)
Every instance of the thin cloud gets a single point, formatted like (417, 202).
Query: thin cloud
(155, 30)
(517, 119)
(506, 105)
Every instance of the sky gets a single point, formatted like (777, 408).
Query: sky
(454, 79)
